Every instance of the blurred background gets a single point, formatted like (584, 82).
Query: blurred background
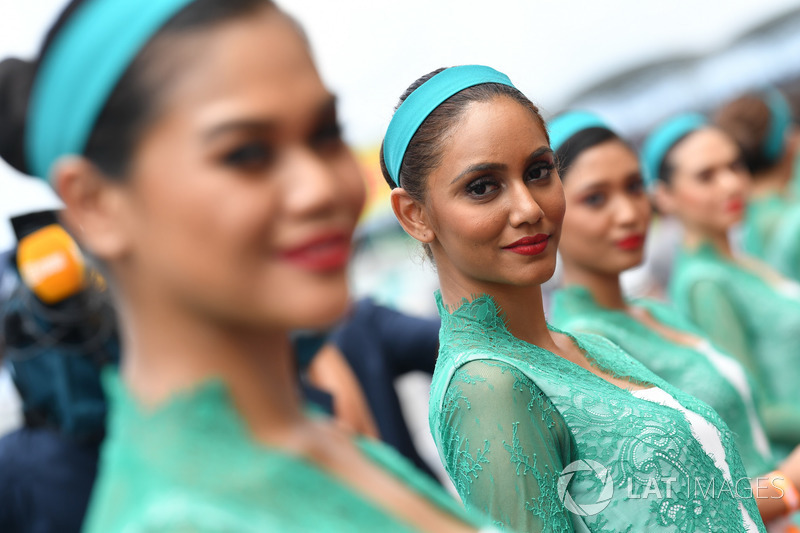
(633, 62)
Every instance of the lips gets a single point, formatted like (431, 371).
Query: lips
(529, 245)
(323, 253)
(734, 206)
(633, 242)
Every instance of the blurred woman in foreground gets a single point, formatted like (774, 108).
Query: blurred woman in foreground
(200, 160)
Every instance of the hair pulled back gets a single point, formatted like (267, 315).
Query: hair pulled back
(747, 119)
(426, 148)
(585, 139)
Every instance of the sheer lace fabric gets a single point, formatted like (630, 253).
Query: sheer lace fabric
(191, 466)
(508, 417)
(756, 321)
(688, 368)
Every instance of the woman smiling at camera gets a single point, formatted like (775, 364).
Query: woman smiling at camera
(520, 411)
(198, 155)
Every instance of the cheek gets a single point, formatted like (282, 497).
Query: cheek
(583, 230)
(351, 177)
(694, 199)
(460, 224)
(554, 206)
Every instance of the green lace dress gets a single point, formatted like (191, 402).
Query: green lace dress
(771, 231)
(756, 321)
(542, 444)
(191, 466)
(700, 370)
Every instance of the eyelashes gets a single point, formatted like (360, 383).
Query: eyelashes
(258, 154)
(250, 157)
(484, 186)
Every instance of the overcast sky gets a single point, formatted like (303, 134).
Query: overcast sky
(369, 51)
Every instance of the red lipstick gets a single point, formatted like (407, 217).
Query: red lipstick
(324, 253)
(529, 245)
(734, 206)
(633, 242)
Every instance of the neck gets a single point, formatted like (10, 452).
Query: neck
(168, 350)
(693, 239)
(522, 306)
(605, 288)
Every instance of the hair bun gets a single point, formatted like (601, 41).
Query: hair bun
(16, 80)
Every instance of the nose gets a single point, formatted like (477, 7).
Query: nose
(310, 185)
(626, 212)
(524, 209)
(733, 181)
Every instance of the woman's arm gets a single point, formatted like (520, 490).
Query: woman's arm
(505, 446)
(711, 309)
(330, 372)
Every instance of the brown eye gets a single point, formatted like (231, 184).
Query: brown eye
(540, 171)
(481, 187)
(250, 157)
(327, 137)
(595, 200)
(636, 186)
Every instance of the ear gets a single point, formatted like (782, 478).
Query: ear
(664, 199)
(412, 216)
(93, 207)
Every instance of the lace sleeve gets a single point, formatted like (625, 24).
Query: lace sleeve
(504, 446)
(713, 312)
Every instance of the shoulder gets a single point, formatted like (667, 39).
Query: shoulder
(501, 388)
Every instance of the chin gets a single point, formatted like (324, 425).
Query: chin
(628, 263)
(541, 276)
(317, 309)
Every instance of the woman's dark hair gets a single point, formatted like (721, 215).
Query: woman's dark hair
(667, 168)
(747, 120)
(424, 152)
(133, 102)
(569, 151)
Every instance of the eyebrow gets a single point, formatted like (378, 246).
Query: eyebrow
(324, 111)
(483, 167)
(602, 183)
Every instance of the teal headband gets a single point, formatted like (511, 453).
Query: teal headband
(566, 125)
(423, 101)
(80, 70)
(663, 138)
(780, 119)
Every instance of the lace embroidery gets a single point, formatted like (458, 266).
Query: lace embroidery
(535, 413)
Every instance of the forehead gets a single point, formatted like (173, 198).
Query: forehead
(497, 128)
(705, 148)
(255, 65)
(604, 163)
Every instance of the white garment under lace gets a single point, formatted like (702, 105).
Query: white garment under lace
(706, 434)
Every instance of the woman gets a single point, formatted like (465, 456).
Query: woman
(519, 411)
(199, 158)
(761, 124)
(608, 213)
(743, 306)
